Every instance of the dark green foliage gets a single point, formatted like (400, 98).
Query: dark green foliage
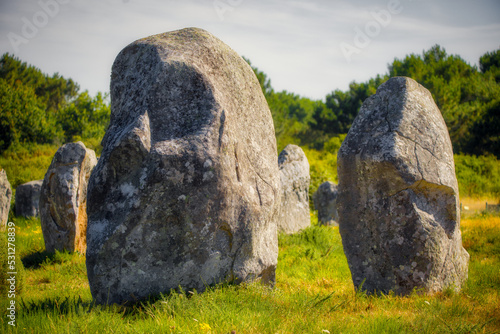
(53, 91)
(37, 108)
(467, 98)
(85, 117)
(23, 117)
(484, 135)
(343, 107)
(490, 63)
(293, 115)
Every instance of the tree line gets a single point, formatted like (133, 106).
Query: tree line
(38, 108)
(468, 97)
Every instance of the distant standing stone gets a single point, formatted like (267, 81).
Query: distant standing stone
(63, 198)
(325, 201)
(294, 174)
(398, 195)
(28, 198)
(5, 198)
(186, 191)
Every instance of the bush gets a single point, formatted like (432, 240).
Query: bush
(478, 176)
(322, 167)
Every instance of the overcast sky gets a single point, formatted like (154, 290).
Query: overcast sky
(307, 47)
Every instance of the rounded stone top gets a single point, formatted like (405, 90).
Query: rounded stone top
(290, 154)
(70, 153)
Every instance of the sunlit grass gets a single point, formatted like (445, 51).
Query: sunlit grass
(313, 294)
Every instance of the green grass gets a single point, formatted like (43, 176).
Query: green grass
(313, 294)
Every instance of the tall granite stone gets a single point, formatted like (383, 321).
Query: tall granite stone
(398, 195)
(325, 201)
(28, 198)
(295, 179)
(186, 191)
(63, 198)
(5, 198)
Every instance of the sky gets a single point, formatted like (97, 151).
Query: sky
(310, 48)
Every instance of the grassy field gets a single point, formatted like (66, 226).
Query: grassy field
(313, 294)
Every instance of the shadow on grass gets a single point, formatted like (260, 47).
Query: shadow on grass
(35, 260)
(176, 296)
(77, 306)
(58, 305)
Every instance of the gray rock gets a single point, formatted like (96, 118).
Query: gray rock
(5, 198)
(63, 198)
(325, 201)
(398, 195)
(28, 198)
(186, 191)
(295, 178)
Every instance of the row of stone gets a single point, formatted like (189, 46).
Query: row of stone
(64, 222)
(188, 191)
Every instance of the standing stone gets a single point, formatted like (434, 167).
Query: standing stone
(295, 178)
(325, 201)
(63, 198)
(186, 191)
(5, 198)
(398, 195)
(28, 198)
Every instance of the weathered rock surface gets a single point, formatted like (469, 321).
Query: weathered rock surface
(398, 195)
(63, 198)
(5, 198)
(295, 179)
(186, 191)
(28, 198)
(325, 201)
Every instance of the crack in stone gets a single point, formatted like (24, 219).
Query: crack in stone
(233, 278)
(418, 162)
(416, 143)
(443, 266)
(415, 185)
(221, 127)
(386, 117)
(238, 176)
(258, 174)
(258, 192)
(410, 139)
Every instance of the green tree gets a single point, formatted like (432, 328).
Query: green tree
(343, 107)
(489, 63)
(23, 117)
(465, 96)
(292, 114)
(54, 91)
(85, 117)
(37, 108)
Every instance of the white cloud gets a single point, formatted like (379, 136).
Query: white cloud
(297, 43)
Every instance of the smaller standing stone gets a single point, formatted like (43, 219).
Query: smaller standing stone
(63, 198)
(325, 201)
(295, 178)
(5, 198)
(28, 198)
